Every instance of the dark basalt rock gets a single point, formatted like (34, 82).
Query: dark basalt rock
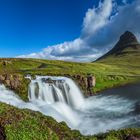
(51, 81)
(2, 133)
(47, 80)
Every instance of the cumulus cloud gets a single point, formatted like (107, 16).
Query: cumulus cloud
(102, 27)
(96, 18)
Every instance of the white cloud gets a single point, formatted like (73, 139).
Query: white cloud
(101, 30)
(96, 18)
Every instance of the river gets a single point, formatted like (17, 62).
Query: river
(60, 98)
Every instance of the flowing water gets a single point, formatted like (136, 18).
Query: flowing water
(61, 98)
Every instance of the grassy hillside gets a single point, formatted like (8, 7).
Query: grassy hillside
(108, 72)
(125, 55)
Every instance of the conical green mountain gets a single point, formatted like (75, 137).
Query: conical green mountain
(127, 50)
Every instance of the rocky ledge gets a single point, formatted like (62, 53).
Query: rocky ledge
(87, 83)
(11, 81)
(2, 133)
(17, 83)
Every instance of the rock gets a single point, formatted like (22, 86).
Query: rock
(61, 81)
(132, 138)
(5, 62)
(78, 77)
(84, 79)
(91, 81)
(47, 80)
(14, 84)
(8, 76)
(2, 133)
(2, 77)
(12, 81)
(36, 89)
(8, 83)
(87, 83)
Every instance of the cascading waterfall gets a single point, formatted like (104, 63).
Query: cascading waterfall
(55, 89)
(61, 98)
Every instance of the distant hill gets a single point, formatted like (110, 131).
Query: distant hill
(126, 50)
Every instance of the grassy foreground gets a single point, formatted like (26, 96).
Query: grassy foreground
(29, 125)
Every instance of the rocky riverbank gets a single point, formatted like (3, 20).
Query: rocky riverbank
(19, 83)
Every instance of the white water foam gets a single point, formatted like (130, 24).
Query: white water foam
(62, 99)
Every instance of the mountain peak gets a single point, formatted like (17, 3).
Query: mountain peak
(127, 41)
(128, 37)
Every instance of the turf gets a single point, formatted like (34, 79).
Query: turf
(108, 73)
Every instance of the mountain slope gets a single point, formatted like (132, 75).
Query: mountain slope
(126, 50)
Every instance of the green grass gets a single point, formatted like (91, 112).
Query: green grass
(108, 72)
(23, 124)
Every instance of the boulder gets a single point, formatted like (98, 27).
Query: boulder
(2, 77)
(91, 82)
(87, 83)
(2, 133)
(132, 138)
(12, 81)
(8, 83)
(47, 80)
(6, 62)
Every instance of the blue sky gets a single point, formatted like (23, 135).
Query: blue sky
(29, 26)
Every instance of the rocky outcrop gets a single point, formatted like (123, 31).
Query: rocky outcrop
(11, 81)
(2, 133)
(5, 62)
(17, 83)
(132, 138)
(91, 82)
(87, 83)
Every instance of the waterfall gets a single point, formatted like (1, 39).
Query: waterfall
(60, 98)
(55, 89)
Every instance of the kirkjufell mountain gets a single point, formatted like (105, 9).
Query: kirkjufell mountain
(127, 48)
